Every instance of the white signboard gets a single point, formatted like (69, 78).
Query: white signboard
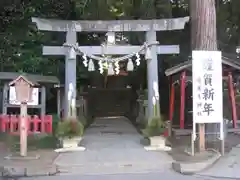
(207, 87)
(12, 97)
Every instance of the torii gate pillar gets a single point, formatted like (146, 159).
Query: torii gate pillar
(152, 76)
(72, 27)
(70, 93)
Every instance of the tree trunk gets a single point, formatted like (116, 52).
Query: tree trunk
(204, 37)
(203, 24)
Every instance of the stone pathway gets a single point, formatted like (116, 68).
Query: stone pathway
(208, 163)
(113, 146)
(42, 166)
(228, 166)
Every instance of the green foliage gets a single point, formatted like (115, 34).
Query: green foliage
(42, 142)
(155, 127)
(69, 128)
(21, 42)
(238, 99)
(36, 141)
(55, 121)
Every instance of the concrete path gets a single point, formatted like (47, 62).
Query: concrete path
(139, 176)
(227, 167)
(113, 146)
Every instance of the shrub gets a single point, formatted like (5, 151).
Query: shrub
(155, 127)
(69, 128)
(55, 121)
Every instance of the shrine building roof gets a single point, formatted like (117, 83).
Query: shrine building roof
(227, 60)
(35, 78)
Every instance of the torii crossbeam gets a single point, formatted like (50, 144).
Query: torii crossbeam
(72, 27)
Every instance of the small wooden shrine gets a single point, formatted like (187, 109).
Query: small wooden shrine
(181, 74)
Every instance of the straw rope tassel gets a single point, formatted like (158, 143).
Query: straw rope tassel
(91, 66)
(130, 65)
(110, 69)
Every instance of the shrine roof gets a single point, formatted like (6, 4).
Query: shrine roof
(227, 59)
(35, 78)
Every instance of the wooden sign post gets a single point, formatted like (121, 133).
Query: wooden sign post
(207, 93)
(23, 90)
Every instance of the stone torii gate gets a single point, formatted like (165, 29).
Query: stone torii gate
(72, 27)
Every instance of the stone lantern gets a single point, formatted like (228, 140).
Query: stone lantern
(23, 89)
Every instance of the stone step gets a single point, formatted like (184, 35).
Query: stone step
(109, 168)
